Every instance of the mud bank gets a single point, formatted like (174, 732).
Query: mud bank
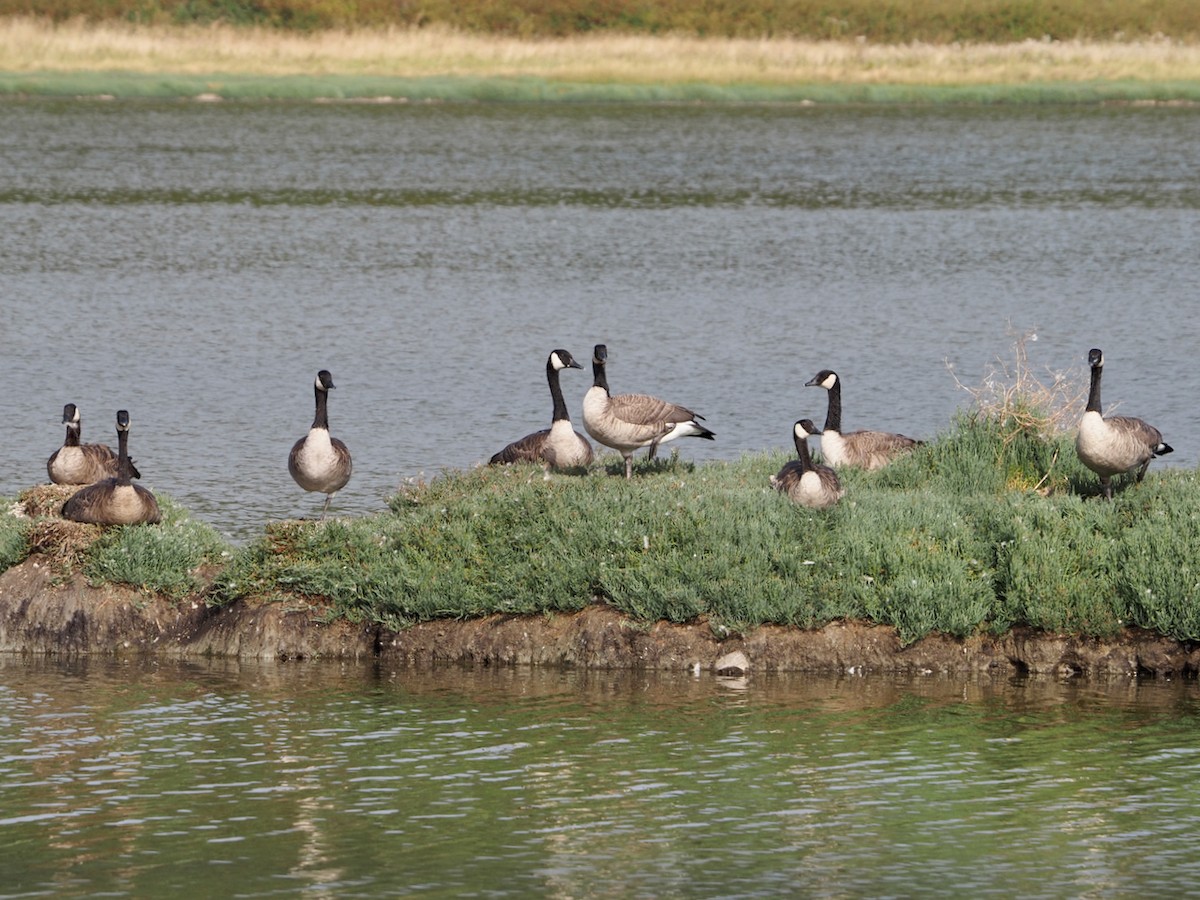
(40, 614)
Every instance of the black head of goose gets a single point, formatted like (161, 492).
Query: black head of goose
(115, 500)
(319, 462)
(560, 446)
(626, 422)
(1113, 445)
(863, 449)
(805, 482)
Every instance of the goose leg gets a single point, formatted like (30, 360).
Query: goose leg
(325, 508)
(628, 465)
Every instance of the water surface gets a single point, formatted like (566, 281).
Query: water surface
(198, 263)
(273, 779)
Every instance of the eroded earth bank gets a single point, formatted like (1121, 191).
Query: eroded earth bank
(41, 613)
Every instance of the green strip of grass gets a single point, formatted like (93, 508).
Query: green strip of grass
(14, 537)
(534, 90)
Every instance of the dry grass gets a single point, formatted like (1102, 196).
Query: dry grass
(1023, 401)
(62, 542)
(44, 500)
(29, 45)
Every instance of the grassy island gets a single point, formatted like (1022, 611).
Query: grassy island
(990, 526)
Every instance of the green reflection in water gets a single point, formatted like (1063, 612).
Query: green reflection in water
(256, 779)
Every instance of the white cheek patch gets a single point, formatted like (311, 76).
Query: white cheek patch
(556, 361)
(829, 382)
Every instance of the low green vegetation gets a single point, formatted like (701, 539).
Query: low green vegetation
(895, 21)
(168, 559)
(981, 529)
(14, 537)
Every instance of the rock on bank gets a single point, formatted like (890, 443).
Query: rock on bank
(42, 614)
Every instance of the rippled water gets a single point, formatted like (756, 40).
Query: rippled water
(197, 264)
(274, 779)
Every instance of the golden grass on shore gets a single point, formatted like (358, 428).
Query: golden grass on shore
(33, 46)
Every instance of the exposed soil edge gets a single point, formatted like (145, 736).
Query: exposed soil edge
(40, 614)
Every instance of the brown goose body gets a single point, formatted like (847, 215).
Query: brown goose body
(627, 422)
(319, 462)
(560, 446)
(805, 482)
(862, 449)
(1114, 445)
(77, 463)
(116, 500)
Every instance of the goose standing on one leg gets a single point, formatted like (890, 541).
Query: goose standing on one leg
(76, 463)
(864, 449)
(629, 421)
(560, 446)
(116, 500)
(319, 462)
(804, 481)
(1114, 444)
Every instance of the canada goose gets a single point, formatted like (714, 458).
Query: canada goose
(116, 500)
(629, 421)
(1114, 444)
(560, 446)
(319, 462)
(76, 463)
(804, 481)
(865, 449)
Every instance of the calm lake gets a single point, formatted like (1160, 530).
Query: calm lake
(257, 780)
(198, 263)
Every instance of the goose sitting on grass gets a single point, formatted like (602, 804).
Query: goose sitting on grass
(116, 500)
(560, 446)
(862, 449)
(804, 482)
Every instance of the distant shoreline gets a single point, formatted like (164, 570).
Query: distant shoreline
(123, 61)
(44, 616)
(100, 86)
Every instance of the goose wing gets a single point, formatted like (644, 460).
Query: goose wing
(882, 440)
(829, 480)
(787, 478)
(1140, 432)
(642, 409)
(526, 449)
(874, 449)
